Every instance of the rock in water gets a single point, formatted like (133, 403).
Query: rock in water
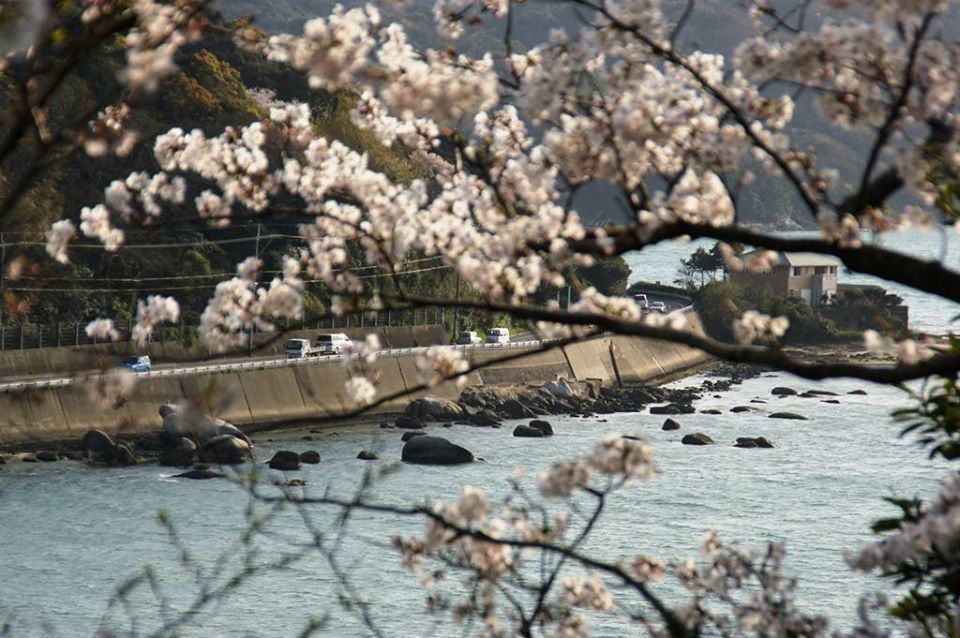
(753, 442)
(528, 432)
(857, 392)
(311, 457)
(435, 409)
(711, 411)
(485, 418)
(435, 450)
(98, 445)
(47, 456)
(182, 454)
(199, 474)
(742, 408)
(406, 436)
(285, 461)
(697, 438)
(672, 408)
(406, 422)
(670, 424)
(788, 415)
(543, 426)
(225, 449)
(781, 391)
(124, 455)
(367, 455)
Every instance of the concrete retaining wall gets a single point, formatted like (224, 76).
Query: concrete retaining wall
(268, 398)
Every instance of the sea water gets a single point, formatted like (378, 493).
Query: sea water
(72, 535)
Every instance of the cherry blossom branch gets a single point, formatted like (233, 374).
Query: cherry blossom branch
(896, 110)
(675, 626)
(924, 275)
(717, 93)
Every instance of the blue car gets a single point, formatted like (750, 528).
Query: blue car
(137, 363)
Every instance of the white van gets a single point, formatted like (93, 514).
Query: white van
(498, 335)
(468, 338)
(336, 343)
(299, 349)
(642, 301)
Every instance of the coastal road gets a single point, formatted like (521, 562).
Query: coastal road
(520, 340)
(33, 382)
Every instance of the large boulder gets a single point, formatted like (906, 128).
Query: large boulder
(222, 427)
(406, 436)
(123, 455)
(543, 426)
(429, 409)
(560, 388)
(171, 419)
(514, 409)
(528, 432)
(670, 424)
(226, 449)
(434, 450)
(788, 415)
(697, 438)
(199, 473)
(285, 461)
(753, 442)
(781, 391)
(673, 408)
(98, 446)
(311, 457)
(183, 454)
(485, 418)
(406, 422)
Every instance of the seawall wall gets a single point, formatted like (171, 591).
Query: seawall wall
(262, 399)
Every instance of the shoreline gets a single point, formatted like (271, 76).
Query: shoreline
(72, 448)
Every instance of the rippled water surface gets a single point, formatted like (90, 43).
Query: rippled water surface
(72, 534)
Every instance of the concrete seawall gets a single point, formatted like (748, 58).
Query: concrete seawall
(261, 399)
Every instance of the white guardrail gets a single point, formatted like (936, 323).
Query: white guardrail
(222, 368)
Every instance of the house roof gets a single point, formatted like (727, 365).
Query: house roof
(800, 259)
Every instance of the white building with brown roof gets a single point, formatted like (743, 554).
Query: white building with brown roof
(809, 276)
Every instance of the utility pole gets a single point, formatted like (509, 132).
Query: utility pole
(456, 311)
(253, 289)
(3, 277)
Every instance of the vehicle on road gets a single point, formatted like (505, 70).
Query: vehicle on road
(658, 306)
(468, 338)
(136, 363)
(300, 349)
(498, 335)
(642, 301)
(335, 343)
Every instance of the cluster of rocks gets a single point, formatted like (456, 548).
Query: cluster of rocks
(700, 438)
(487, 405)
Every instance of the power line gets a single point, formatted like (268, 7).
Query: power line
(195, 244)
(205, 286)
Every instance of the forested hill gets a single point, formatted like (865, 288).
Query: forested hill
(212, 90)
(715, 26)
